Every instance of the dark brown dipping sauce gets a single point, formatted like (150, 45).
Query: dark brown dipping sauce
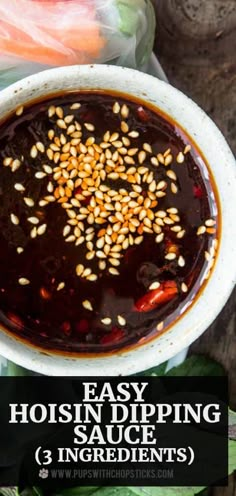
(108, 223)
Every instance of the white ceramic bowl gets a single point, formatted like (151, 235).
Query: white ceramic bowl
(222, 164)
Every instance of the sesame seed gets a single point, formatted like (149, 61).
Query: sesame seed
(60, 286)
(124, 127)
(29, 202)
(50, 198)
(133, 134)
(33, 220)
(154, 285)
(180, 158)
(33, 152)
(159, 238)
(161, 214)
(59, 112)
(89, 127)
(7, 161)
(100, 254)
(116, 108)
(174, 188)
(51, 111)
(40, 147)
(152, 186)
(121, 320)
(160, 326)
(171, 174)
(15, 165)
(176, 228)
(160, 194)
(161, 185)
(79, 269)
(160, 158)
(181, 261)
(138, 240)
(141, 156)
(113, 271)
(47, 169)
(154, 161)
(102, 264)
(210, 222)
(40, 175)
(87, 305)
(184, 287)
(86, 272)
(23, 281)
(70, 239)
(168, 221)
(166, 153)
(14, 219)
(187, 149)
(168, 160)
(147, 147)
(180, 234)
(61, 124)
(124, 111)
(92, 277)
(170, 256)
(42, 229)
(75, 106)
(19, 187)
(68, 119)
(201, 230)
(19, 110)
(156, 229)
(172, 210)
(33, 232)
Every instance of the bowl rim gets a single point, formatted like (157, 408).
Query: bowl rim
(223, 277)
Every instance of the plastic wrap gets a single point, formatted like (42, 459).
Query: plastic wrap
(38, 34)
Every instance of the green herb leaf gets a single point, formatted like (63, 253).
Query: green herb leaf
(137, 18)
(8, 491)
(166, 491)
(197, 365)
(78, 491)
(114, 491)
(129, 15)
(232, 425)
(232, 457)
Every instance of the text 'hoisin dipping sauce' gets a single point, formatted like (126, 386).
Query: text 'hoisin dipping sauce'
(108, 222)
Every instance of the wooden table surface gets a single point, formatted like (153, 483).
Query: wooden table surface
(196, 45)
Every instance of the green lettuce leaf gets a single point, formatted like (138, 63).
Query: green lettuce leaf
(197, 365)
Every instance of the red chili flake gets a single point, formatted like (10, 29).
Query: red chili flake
(197, 191)
(114, 336)
(66, 328)
(82, 326)
(142, 114)
(166, 292)
(44, 293)
(15, 319)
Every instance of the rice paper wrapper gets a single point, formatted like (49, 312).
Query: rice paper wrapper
(39, 34)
